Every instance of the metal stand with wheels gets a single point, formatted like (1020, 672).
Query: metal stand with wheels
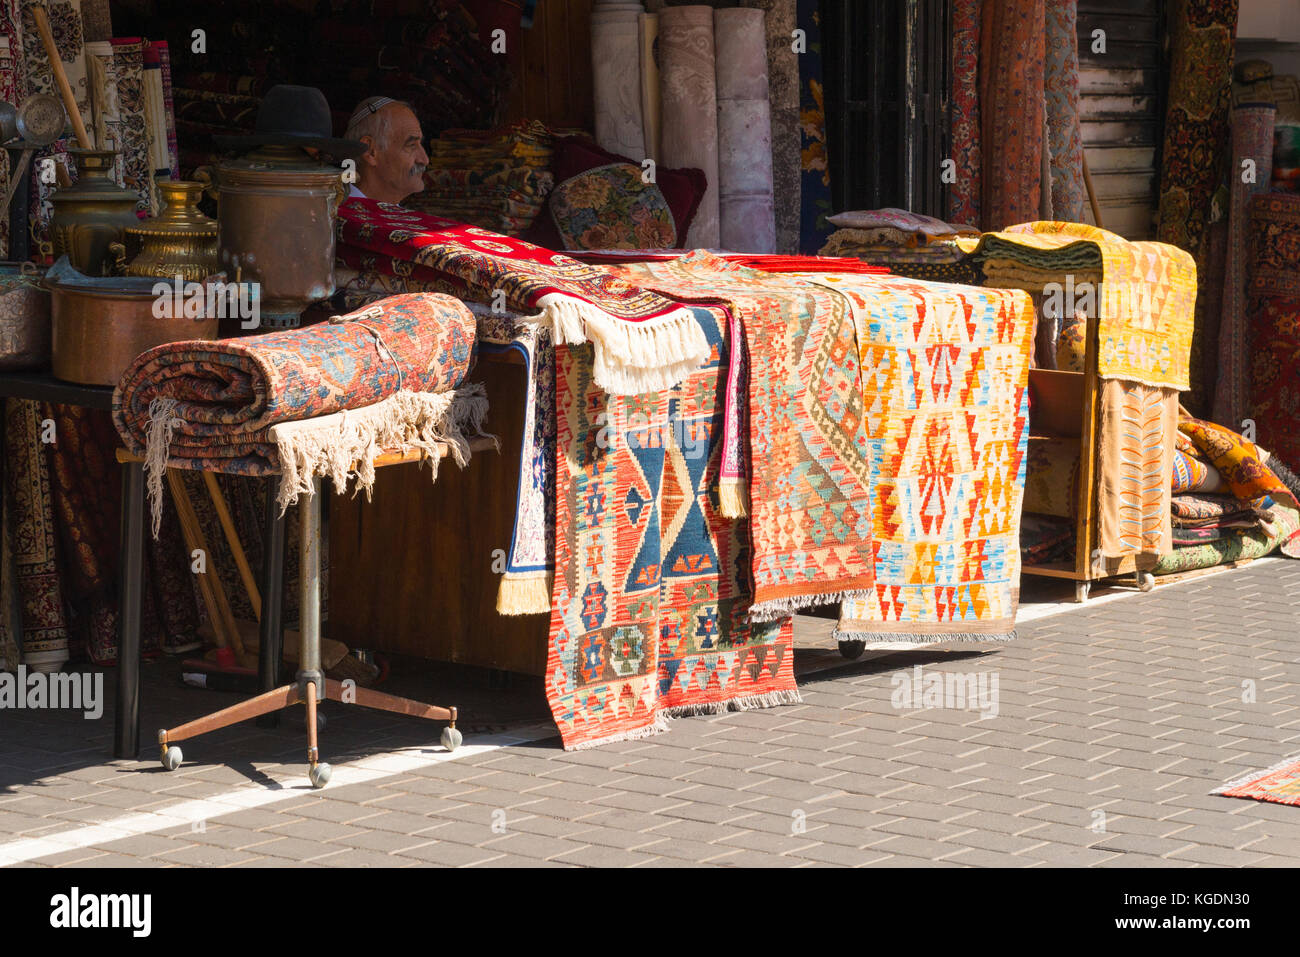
(310, 685)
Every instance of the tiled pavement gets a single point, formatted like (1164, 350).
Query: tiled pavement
(1113, 724)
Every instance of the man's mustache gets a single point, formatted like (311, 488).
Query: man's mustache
(418, 169)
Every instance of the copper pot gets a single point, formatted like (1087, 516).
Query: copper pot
(276, 228)
(101, 325)
(24, 318)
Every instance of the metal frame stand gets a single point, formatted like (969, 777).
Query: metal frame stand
(310, 686)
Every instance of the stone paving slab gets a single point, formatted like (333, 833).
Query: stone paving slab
(1112, 725)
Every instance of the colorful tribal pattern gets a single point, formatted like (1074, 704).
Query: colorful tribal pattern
(1145, 306)
(644, 342)
(652, 596)
(945, 374)
(229, 393)
(1279, 784)
(1136, 451)
(809, 477)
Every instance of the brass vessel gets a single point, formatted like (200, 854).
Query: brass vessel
(181, 241)
(276, 218)
(92, 213)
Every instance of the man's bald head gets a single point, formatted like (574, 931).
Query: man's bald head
(392, 168)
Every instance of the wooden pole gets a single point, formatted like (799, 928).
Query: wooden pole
(1092, 193)
(60, 77)
(232, 539)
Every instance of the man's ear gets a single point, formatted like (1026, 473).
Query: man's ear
(370, 157)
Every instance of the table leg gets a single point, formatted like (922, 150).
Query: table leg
(126, 736)
(271, 634)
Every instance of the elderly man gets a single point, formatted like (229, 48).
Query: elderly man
(392, 167)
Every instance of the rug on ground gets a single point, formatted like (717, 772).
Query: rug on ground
(1279, 784)
(651, 603)
(945, 374)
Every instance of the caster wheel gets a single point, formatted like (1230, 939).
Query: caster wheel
(319, 775)
(172, 758)
(451, 739)
(1146, 581)
(852, 649)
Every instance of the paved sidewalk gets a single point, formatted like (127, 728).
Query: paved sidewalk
(1112, 725)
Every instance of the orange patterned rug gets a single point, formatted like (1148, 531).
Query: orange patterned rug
(1280, 784)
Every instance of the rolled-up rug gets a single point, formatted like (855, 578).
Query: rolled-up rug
(386, 376)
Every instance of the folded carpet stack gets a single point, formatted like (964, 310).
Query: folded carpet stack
(909, 244)
(495, 179)
(390, 372)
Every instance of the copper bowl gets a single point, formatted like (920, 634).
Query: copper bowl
(101, 325)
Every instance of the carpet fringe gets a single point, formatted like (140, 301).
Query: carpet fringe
(1250, 776)
(779, 608)
(755, 702)
(877, 637)
(163, 421)
(343, 445)
(631, 358)
(658, 726)
(525, 594)
(733, 498)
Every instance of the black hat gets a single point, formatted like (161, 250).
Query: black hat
(294, 116)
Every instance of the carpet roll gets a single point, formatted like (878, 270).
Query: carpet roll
(616, 78)
(746, 212)
(690, 108)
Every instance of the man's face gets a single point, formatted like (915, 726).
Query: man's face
(394, 169)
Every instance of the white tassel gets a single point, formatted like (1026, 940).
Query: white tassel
(162, 423)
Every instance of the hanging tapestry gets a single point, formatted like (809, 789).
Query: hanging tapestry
(1065, 138)
(34, 537)
(652, 598)
(945, 400)
(964, 193)
(128, 73)
(1252, 139)
(815, 184)
(644, 342)
(1012, 107)
(1273, 343)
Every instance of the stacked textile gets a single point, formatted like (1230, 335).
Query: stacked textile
(909, 244)
(1230, 503)
(392, 368)
(494, 179)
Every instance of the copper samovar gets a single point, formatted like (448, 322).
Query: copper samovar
(275, 228)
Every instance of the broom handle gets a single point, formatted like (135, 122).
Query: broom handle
(1092, 194)
(232, 539)
(211, 586)
(60, 77)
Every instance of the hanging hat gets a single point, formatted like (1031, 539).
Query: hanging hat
(294, 116)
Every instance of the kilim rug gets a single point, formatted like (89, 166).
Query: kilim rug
(652, 598)
(1273, 344)
(945, 376)
(1146, 303)
(644, 342)
(1279, 784)
(809, 493)
(1135, 446)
